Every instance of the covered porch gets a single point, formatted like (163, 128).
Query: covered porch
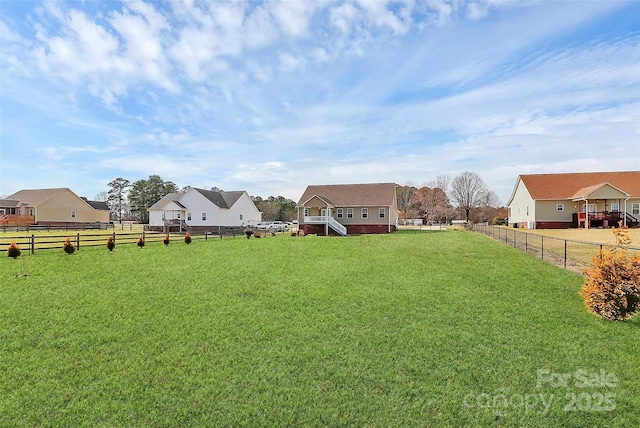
(173, 217)
(601, 206)
(319, 212)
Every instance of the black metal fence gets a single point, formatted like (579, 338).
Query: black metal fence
(568, 253)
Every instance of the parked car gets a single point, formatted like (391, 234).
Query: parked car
(263, 225)
(278, 226)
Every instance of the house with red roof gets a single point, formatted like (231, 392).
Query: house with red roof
(341, 209)
(590, 199)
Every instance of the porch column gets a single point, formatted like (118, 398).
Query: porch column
(586, 213)
(625, 211)
(326, 223)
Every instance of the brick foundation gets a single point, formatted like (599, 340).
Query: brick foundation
(352, 229)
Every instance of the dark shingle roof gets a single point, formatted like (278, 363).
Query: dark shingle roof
(221, 198)
(98, 205)
(9, 202)
(170, 197)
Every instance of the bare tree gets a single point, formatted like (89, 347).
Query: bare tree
(467, 191)
(443, 182)
(488, 207)
(102, 196)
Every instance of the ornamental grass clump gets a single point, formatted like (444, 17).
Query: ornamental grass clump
(612, 284)
(187, 238)
(111, 244)
(68, 247)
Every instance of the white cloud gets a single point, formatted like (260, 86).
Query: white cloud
(332, 91)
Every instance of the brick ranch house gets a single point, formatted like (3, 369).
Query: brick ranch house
(341, 209)
(591, 199)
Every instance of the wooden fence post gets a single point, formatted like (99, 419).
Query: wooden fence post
(33, 243)
(78, 241)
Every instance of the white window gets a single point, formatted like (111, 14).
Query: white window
(527, 210)
(365, 212)
(241, 218)
(339, 212)
(559, 207)
(188, 216)
(635, 208)
(31, 212)
(349, 212)
(381, 212)
(178, 216)
(615, 206)
(164, 216)
(306, 212)
(204, 216)
(73, 214)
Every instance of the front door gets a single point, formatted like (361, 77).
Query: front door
(323, 212)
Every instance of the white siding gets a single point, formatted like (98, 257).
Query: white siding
(245, 206)
(196, 204)
(155, 218)
(522, 206)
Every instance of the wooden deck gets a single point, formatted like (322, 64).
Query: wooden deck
(17, 220)
(605, 219)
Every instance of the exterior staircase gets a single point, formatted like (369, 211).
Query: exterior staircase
(323, 219)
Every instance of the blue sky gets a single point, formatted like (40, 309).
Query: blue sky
(272, 96)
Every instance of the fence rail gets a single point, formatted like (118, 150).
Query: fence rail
(33, 242)
(570, 254)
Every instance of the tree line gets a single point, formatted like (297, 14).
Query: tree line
(441, 200)
(131, 201)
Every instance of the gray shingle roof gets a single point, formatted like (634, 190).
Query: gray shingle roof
(362, 195)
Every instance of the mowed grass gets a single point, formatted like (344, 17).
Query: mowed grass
(409, 329)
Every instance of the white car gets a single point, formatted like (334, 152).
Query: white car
(263, 225)
(278, 226)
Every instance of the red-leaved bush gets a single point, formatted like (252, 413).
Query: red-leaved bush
(68, 247)
(14, 251)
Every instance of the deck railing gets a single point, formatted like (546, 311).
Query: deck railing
(323, 219)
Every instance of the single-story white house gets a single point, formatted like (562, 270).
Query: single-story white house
(200, 210)
(590, 199)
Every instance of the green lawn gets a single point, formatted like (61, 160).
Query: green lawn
(410, 329)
